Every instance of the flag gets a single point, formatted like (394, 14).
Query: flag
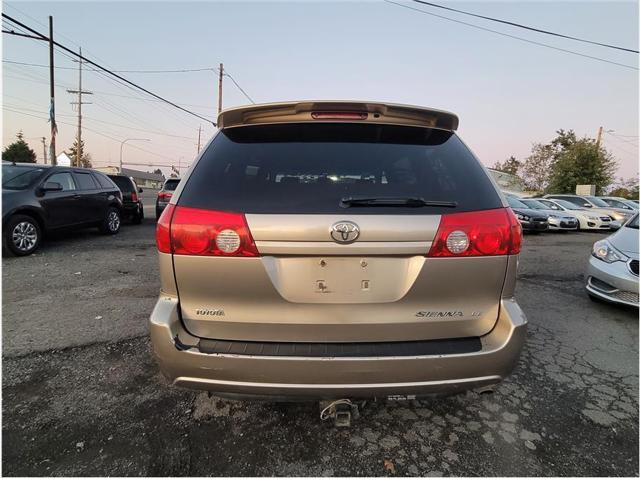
(52, 118)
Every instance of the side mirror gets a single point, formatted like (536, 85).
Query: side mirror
(587, 205)
(51, 186)
(139, 190)
(615, 225)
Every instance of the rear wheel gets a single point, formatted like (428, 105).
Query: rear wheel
(111, 222)
(22, 235)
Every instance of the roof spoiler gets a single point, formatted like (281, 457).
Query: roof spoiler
(337, 111)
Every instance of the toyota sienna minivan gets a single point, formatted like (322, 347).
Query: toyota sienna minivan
(328, 250)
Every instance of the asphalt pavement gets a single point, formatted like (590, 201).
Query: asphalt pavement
(83, 396)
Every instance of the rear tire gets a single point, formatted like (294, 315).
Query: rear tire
(111, 222)
(22, 235)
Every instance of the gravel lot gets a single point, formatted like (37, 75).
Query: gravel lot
(82, 395)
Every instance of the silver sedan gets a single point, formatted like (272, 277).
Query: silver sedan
(612, 273)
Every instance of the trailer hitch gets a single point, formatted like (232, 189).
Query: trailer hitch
(342, 411)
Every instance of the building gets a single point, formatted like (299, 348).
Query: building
(142, 178)
(63, 159)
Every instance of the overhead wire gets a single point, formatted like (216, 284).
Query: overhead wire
(526, 27)
(545, 45)
(93, 131)
(106, 70)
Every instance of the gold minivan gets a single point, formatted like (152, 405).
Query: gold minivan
(331, 249)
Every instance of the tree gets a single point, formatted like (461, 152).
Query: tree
(19, 151)
(626, 188)
(580, 161)
(510, 166)
(536, 169)
(85, 161)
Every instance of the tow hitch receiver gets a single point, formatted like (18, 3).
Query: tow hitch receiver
(340, 410)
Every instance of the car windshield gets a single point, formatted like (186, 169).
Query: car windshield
(633, 223)
(171, 185)
(513, 202)
(568, 205)
(597, 201)
(533, 204)
(19, 177)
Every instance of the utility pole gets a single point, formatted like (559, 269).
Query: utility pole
(599, 140)
(199, 130)
(221, 70)
(79, 92)
(52, 104)
(44, 149)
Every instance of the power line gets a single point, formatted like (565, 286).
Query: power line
(238, 86)
(513, 36)
(619, 137)
(121, 78)
(533, 29)
(186, 70)
(634, 153)
(89, 129)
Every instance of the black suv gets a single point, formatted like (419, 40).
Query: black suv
(131, 202)
(164, 195)
(38, 198)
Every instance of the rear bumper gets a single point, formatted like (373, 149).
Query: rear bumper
(333, 377)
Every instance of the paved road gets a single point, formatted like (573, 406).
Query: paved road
(82, 395)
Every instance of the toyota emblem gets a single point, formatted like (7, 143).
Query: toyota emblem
(345, 232)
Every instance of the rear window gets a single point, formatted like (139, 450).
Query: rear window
(309, 168)
(124, 184)
(171, 184)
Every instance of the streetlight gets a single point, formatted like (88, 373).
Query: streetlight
(122, 144)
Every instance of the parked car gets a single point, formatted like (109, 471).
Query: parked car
(612, 273)
(164, 195)
(587, 219)
(530, 219)
(37, 199)
(132, 207)
(557, 221)
(621, 203)
(335, 250)
(594, 204)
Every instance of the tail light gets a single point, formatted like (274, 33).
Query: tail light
(164, 196)
(134, 196)
(339, 115)
(495, 232)
(200, 232)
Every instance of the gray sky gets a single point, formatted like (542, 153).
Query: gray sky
(508, 93)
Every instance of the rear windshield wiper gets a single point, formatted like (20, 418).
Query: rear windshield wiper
(393, 201)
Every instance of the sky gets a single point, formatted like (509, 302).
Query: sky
(507, 93)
